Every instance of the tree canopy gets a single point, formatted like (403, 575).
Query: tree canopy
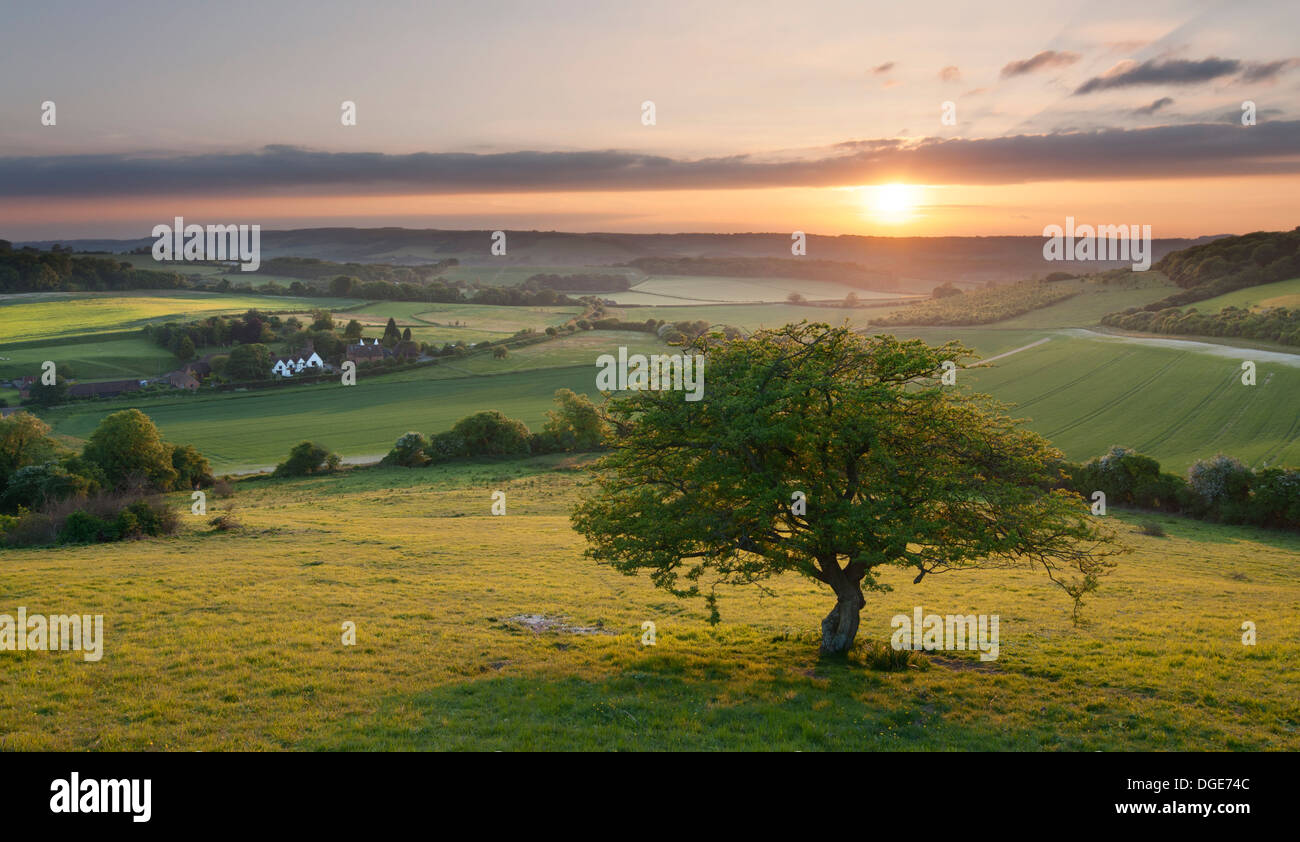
(894, 469)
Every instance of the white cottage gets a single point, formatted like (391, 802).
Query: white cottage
(288, 366)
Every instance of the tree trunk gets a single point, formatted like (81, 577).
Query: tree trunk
(841, 625)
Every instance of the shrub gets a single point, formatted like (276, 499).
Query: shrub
(446, 446)
(1150, 527)
(33, 529)
(408, 452)
(1222, 485)
(192, 468)
(225, 522)
(491, 433)
(307, 458)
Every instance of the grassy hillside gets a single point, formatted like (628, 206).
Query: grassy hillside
(1280, 294)
(1177, 405)
(232, 640)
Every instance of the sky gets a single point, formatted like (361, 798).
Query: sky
(821, 116)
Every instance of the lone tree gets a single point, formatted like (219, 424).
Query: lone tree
(891, 466)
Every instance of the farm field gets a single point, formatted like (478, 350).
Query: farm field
(1088, 307)
(752, 316)
(58, 315)
(713, 289)
(433, 323)
(1280, 294)
(515, 275)
(246, 431)
(1085, 394)
(125, 356)
(232, 640)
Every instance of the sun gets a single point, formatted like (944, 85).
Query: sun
(892, 202)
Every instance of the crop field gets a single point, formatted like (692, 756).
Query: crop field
(1173, 404)
(53, 316)
(233, 640)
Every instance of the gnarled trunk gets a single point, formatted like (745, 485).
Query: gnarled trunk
(841, 625)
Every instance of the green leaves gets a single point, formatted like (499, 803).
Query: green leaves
(896, 469)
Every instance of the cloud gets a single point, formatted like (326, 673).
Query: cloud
(883, 68)
(1154, 107)
(1041, 61)
(950, 74)
(1157, 72)
(1267, 71)
(1196, 150)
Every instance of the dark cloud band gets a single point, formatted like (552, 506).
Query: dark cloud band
(1208, 149)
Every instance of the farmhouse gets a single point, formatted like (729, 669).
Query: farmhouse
(363, 353)
(289, 366)
(183, 380)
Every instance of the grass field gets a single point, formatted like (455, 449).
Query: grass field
(56, 315)
(440, 323)
(1173, 404)
(233, 640)
(242, 431)
(684, 289)
(1280, 294)
(94, 360)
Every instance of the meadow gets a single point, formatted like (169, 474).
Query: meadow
(233, 640)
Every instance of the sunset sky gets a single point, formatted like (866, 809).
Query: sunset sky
(817, 116)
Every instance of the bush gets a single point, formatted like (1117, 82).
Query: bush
(443, 447)
(307, 458)
(491, 433)
(192, 468)
(1150, 527)
(1222, 486)
(408, 452)
(33, 529)
(225, 522)
(84, 528)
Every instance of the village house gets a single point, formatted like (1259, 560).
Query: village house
(363, 353)
(289, 366)
(183, 380)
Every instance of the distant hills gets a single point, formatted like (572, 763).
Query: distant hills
(900, 262)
